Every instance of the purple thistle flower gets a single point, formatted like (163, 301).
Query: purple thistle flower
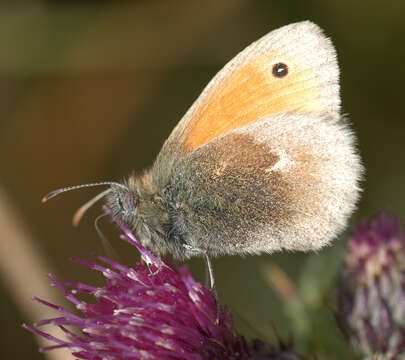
(151, 311)
(372, 290)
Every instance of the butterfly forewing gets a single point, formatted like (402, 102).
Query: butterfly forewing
(246, 89)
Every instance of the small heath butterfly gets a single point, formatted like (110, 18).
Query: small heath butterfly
(262, 161)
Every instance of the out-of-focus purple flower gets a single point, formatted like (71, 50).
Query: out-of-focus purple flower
(372, 289)
(151, 311)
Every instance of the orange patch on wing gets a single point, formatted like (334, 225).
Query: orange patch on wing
(249, 94)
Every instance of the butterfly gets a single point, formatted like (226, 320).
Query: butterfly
(263, 160)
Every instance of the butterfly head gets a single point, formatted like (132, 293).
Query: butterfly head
(123, 203)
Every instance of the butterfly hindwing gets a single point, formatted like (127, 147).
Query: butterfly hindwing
(275, 184)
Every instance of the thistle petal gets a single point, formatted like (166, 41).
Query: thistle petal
(150, 311)
(372, 288)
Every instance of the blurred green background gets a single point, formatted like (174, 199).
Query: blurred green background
(89, 90)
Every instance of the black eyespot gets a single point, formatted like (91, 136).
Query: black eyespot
(280, 70)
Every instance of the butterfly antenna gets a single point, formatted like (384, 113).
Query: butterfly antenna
(80, 212)
(54, 193)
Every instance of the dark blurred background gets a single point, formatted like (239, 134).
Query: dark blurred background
(89, 90)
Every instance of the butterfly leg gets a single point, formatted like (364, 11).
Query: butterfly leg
(209, 270)
(209, 275)
(210, 281)
(153, 273)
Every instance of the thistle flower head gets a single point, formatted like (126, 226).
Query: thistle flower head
(149, 311)
(372, 289)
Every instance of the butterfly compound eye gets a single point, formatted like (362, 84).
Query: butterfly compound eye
(129, 202)
(280, 70)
